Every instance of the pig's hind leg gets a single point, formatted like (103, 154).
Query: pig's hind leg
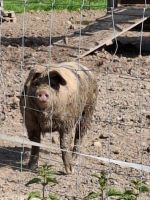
(66, 140)
(81, 129)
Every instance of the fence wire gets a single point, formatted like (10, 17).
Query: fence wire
(89, 160)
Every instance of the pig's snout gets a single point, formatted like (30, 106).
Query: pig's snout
(42, 96)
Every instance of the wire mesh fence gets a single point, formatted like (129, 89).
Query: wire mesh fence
(118, 140)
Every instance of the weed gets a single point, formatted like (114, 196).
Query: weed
(45, 177)
(103, 185)
(137, 187)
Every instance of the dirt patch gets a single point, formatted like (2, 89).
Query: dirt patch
(120, 127)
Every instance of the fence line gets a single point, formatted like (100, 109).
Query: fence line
(23, 141)
(109, 118)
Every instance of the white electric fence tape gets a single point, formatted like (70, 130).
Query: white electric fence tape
(23, 141)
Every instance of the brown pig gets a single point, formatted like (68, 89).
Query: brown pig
(59, 98)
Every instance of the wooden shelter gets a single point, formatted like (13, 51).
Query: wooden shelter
(130, 2)
(115, 3)
(103, 31)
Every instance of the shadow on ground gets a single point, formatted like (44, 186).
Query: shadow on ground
(14, 157)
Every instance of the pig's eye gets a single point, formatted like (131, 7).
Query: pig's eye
(35, 83)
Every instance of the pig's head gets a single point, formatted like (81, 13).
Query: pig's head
(43, 86)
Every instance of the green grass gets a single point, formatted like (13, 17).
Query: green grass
(37, 5)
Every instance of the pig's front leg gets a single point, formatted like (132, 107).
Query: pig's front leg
(35, 136)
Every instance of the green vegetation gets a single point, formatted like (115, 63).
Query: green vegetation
(102, 185)
(45, 177)
(38, 5)
(132, 191)
(137, 187)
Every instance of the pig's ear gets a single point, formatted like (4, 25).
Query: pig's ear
(36, 72)
(56, 79)
(31, 77)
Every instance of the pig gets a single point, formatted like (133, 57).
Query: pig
(59, 98)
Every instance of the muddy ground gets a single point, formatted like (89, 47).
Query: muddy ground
(121, 121)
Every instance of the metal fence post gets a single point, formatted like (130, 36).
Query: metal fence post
(1, 5)
(112, 4)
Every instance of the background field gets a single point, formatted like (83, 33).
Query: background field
(36, 5)
(123, 98)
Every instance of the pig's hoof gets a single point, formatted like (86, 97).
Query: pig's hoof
(33, 165)
(69, 169)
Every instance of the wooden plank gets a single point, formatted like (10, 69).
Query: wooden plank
(112, 38)
(109, 15)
